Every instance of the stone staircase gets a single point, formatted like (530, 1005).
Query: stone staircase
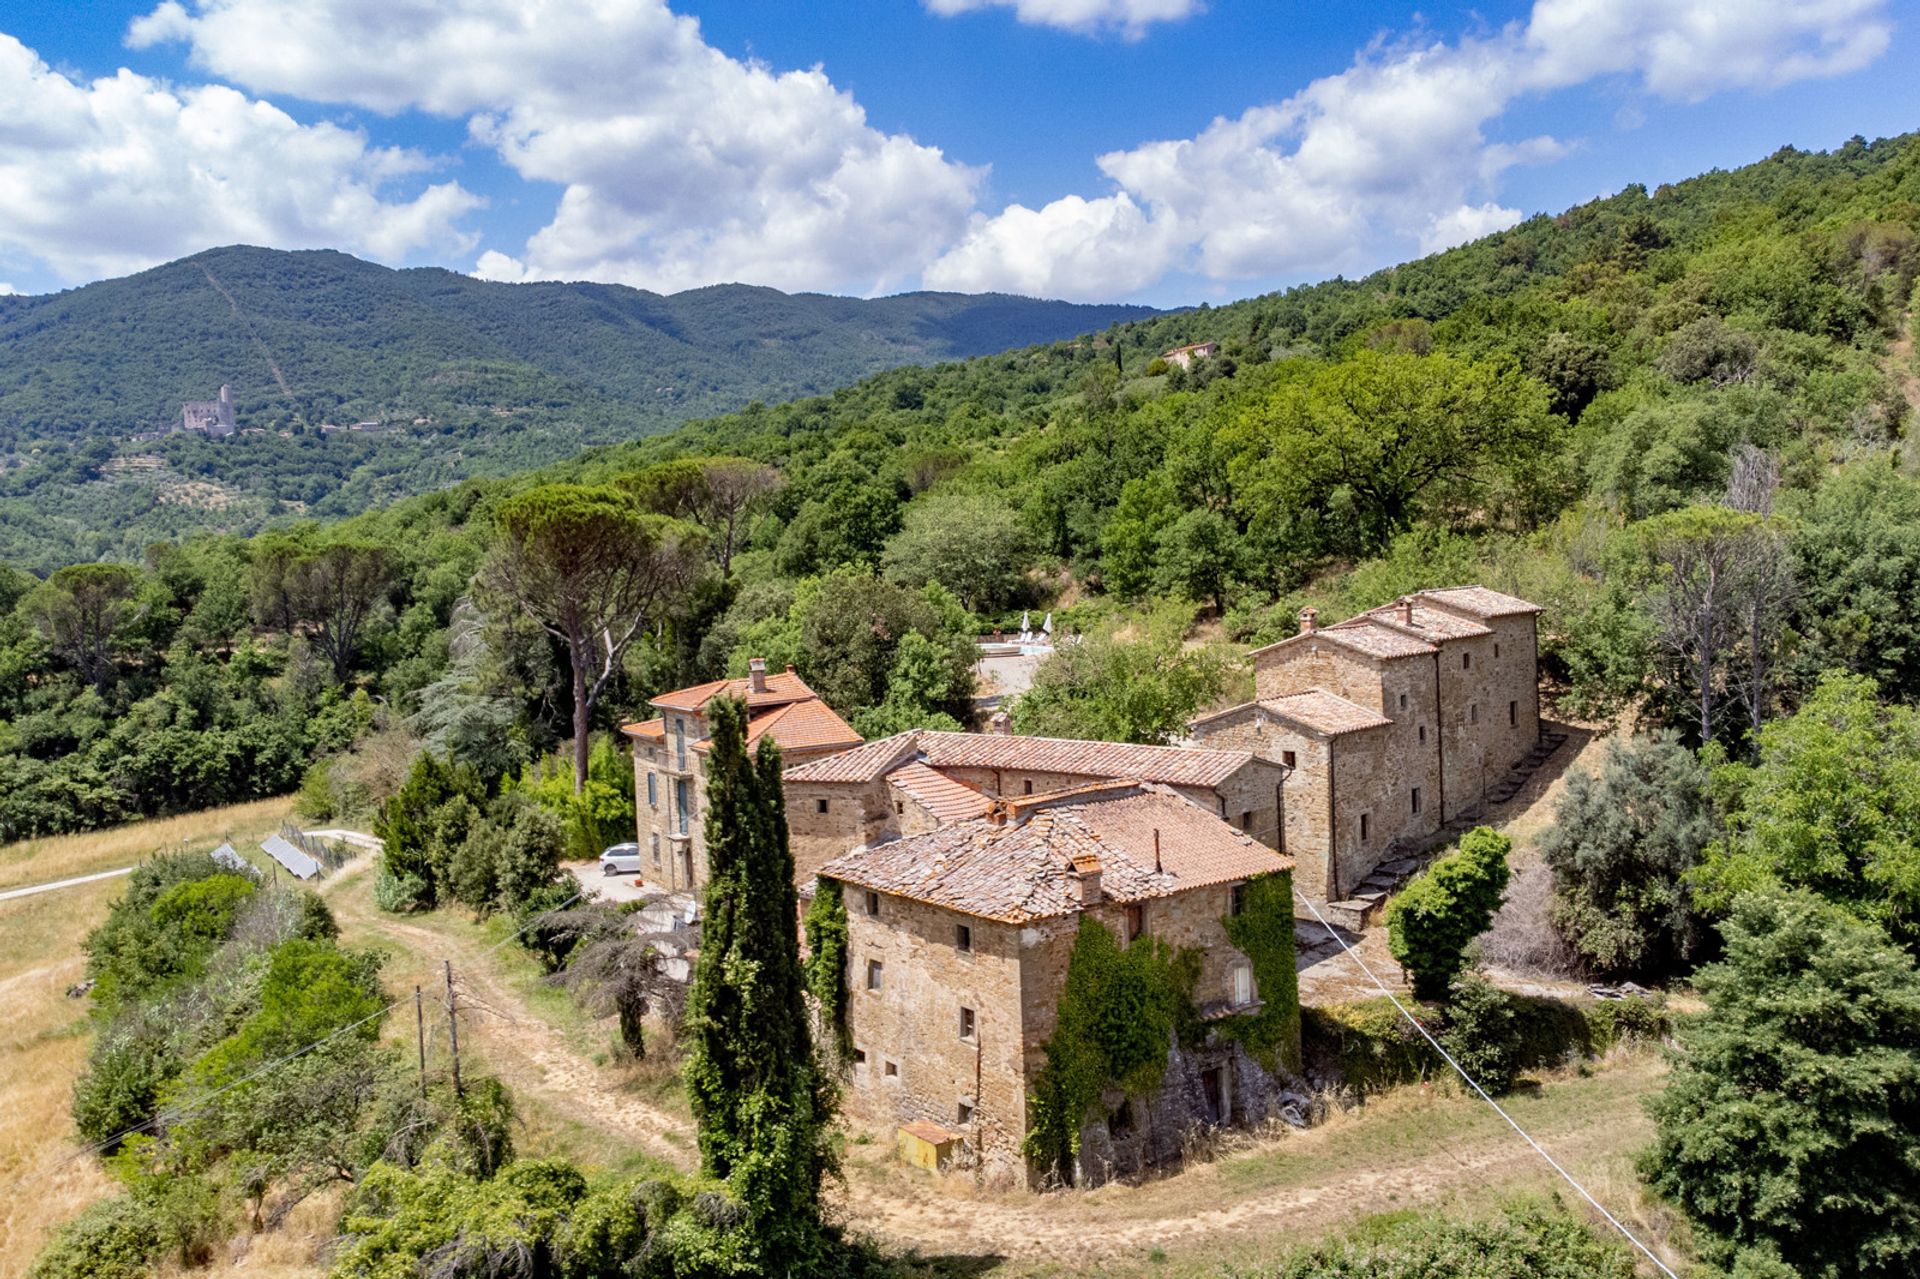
(1405, 858)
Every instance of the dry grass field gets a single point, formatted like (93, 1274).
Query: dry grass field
(39, 861)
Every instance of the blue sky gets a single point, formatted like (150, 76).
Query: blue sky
(1165, 151)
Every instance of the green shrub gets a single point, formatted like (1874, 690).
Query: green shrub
(129, 1068)
(1623, 1021)
(1366, 1045)
(314, 799)
(143, 944)
(1483, 1032)
(826, 925)
(173, 1218)
(1432, 921)
(1522, 1243)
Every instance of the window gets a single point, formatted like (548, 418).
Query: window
(1423, 734)
(1286, 757)
(1363, 828)
(1246, 820)
(891, 1070)
(1136, 920)
(1120, 1122)
(966, 1023)
(1027, 787)
(1416, 800)
(682, 801)
(1466, 661)
(819, 805)
(653, 790)
(654, 840)
(963, 937)
(1242, 985)
(873, 902)
(1513, 714)
(899, 808)
(1496, 652)
(680, 744)
(1403, 701)
(1237, 900)
(1473, 712)
(963, 1114)
(876, 973)
(1213, 1090)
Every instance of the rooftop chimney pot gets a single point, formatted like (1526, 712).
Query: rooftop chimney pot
(757, 674)
(1406, 610)
(1001, 723)
(1309, 620)
(1086, 868)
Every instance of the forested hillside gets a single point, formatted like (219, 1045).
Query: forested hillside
(1581, 409)
(468, 378)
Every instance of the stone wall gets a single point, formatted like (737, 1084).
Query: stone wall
(1309, 820)
(1309, 663)
(857, 814)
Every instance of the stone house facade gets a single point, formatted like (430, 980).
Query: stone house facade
(670, 752)
(213, 418)
(1390, 725)
(959, 942)
(924, 779)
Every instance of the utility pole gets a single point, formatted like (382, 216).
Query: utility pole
(420, 1035)
(453, 1030)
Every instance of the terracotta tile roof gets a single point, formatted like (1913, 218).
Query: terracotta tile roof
(654, 730)
(1481, 602)
(861, 764)
(1025, 869)
(1171, 765)
(1325, 712)
(782, 686)
(1431, 623)
(949, 801)
(1367, 635)
(798, 726)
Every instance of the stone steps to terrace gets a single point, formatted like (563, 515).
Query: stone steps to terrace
(1365, 903)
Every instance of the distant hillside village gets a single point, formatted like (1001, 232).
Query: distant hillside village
(215, 419)
(967, 862)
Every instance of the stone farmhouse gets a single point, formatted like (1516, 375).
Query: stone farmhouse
(211, 418)
(1392, 727)
(1185, 356)
(959, 941)
(923, 780)
(669, 760)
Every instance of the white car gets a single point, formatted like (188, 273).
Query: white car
(621, 859)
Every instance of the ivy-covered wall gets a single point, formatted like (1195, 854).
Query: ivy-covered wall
(826, 928)
(1263, 932)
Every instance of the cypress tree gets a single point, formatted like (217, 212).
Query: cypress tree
(760, 1100)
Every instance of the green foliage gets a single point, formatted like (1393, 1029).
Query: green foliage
(125, 1235)
(1483, 1032)
(1522, 1243)
(175, 910)
(1832, 805)
(1142, 689)
(423, 823)
(1621, 848)
(827, 939)
(1856, 539)
(1263, 931)
(1365, 1045)
(312, 989)
(975, 546)
(1121, 1012)
(601, 813)
(761, 1100)
(1432, 921)
(1791, 1118)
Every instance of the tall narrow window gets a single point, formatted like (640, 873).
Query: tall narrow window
(966, 1023)
(1286, 757)
(1136, 920)
(1416, 800)
(1423, 734)
(682, 801)
(1473, 712)
(1237, 900)
(653, 790)
(963, 938)
(876, 974)
(1242, 985)
(1513, 714)
(873, 902)
(819, 805)
(1027, 786)
(1246, 820)
(1363, 828)
(1466, 661)
(680, 744)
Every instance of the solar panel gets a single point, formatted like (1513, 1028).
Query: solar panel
(226, 856)
(298, 864)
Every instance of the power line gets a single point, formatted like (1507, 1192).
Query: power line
(1473, 1083)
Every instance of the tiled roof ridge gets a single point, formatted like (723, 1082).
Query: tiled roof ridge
(1018, 807)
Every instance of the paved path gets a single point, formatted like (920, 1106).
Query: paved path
(63, 883)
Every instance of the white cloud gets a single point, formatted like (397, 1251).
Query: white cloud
(1394, 150)
(7, 290)
(114, 175)
(679, 166)
(1467, 223)
(1130, 18)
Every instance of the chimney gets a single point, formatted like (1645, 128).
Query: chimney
(997, 812)
(1157, 869)
(1086, 868)
(1406, 610)
(1309, 620)
(1001, 723)
(757, 674)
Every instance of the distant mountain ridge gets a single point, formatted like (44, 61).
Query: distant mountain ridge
(307, 336)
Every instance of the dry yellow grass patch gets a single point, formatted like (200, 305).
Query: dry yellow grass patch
(43, 1045)
(38, 861)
